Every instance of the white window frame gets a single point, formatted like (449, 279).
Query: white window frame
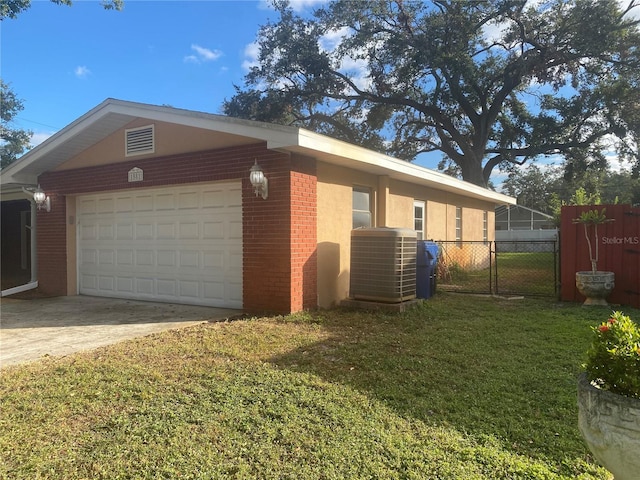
(485, 226)
(368, 191)
(420, 232)
(459, 225)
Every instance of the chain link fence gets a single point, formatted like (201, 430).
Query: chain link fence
(499, 267)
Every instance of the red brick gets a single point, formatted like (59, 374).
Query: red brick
(279, 234)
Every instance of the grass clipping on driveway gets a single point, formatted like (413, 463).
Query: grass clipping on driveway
(460, 387)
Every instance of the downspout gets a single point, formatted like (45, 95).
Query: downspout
(34, 243)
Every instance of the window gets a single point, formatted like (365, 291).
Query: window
(458, 224)
(418, 218)
(361, 207)
(485, 226)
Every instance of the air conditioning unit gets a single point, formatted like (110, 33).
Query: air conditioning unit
(383, 264)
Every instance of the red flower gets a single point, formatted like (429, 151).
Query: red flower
(612, 321)
(603, 328)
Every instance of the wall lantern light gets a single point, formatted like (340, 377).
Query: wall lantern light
(259, 181)
(43, 201)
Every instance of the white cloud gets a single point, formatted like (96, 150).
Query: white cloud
(202, 54)
(330, 40)
(634, 13)
(38, 137)
(251, 53)
(296, 5)
(81, 71)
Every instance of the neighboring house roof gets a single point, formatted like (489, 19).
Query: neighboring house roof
(112, 115)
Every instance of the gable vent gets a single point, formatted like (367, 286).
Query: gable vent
(139, 141)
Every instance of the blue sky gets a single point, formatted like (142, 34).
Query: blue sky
(62, 61)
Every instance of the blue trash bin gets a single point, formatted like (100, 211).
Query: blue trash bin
(426, 261)
(432, 251)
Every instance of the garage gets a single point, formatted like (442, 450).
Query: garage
(180, 244)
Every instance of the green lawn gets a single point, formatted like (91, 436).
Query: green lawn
(459, 388)
(522, 273)
(526, 272)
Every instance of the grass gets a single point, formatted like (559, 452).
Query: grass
(459, 388)
(522, 273)
(526, 272)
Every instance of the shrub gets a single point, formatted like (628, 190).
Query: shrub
(613, 360)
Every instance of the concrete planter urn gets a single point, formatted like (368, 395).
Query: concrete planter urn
(596, 286)
(610, 425)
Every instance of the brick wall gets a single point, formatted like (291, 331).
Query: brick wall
(279, 259)
(52, 246)
(280, 273)
(304, 269)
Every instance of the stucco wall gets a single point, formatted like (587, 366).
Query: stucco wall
(393, 207)
(170, 139)
(334, 188)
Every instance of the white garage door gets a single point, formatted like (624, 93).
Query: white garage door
(174, 244)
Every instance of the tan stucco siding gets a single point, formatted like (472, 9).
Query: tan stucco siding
(440, 216)
(393, 207)
(335, 187)
(170, 139)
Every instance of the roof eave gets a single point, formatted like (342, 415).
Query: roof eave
(112, 114)
(339, 152)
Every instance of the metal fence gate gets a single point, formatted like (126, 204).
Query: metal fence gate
(499, 267)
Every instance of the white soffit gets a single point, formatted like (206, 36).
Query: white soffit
(353, 156)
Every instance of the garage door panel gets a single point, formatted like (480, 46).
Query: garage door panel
(164, 201)
(143, 203)
(124, 258)
(167, 287)
(143, 231)
(106, 257)
(124, 231)
(124, 204)
(88, 232)
(106, 205)
(179, 244)
(125, 284)
(106, 283)
(189, 230)
(188, 201)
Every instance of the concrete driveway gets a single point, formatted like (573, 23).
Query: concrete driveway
(59, 326)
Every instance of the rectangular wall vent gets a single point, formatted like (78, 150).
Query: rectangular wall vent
(139, 141)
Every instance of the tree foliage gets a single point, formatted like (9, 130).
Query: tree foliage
(486, 83)
(547, 189)
(13, 141)
(12, 8)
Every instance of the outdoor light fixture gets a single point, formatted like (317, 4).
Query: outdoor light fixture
(43, 201)
(259, 181)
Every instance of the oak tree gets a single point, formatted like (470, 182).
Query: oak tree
(487, 83)
(13, 141)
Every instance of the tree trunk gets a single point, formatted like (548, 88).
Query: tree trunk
(471, 169)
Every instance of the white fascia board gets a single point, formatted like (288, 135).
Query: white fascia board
(276, 135)
(399, 169)
(12, 174)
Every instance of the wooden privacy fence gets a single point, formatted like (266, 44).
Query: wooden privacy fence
(619, 246)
